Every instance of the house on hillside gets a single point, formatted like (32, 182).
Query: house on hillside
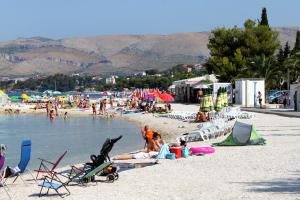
(140, 74)
(111, 80)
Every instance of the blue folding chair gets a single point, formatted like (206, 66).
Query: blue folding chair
(22, 166)
(25, 158)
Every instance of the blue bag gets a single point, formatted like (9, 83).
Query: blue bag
(171, 156)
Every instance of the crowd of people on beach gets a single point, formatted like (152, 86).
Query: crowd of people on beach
(102, 106)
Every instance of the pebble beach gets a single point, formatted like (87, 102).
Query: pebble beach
(241, 172)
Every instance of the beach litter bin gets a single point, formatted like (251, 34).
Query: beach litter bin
(177, 151)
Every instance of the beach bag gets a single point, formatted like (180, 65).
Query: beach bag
(171, 156)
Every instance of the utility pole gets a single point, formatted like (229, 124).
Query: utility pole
(288, 78)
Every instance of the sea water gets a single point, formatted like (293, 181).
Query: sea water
(80, 136)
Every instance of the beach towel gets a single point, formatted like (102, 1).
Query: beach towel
(163, 152)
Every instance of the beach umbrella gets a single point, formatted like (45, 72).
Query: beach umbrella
(218, 106)
(25, 96)
(56, 92)
(166, 97)
(48, 92)
(106, 93)
(150, 97)
(14, 98)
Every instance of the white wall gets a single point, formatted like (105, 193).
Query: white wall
(246, 92)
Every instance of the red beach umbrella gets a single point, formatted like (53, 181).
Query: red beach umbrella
(166, 97)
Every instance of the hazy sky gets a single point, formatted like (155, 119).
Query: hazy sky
(75, 18)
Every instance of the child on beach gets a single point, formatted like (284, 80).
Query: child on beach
(185, 150)
(111, 101)
(51, 115)
(94, 109)
(66, 115)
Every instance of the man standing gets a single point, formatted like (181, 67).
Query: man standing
(259, 99)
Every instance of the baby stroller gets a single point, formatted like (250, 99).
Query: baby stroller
(110, 171)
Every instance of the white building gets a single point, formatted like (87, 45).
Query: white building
(246, 91)
(186, 89)
(111, 80)
(3, 98)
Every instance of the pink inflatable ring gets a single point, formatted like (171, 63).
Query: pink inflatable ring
(202, 150)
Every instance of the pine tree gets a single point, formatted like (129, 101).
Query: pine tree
(297, 43)
(287, 50)
(280, 56)
(264, 18)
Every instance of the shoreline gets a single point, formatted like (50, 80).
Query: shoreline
(240, 172)
(158, 124)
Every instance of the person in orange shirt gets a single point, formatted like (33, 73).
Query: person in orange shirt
(147, 133)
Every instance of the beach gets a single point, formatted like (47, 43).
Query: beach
(242, 172)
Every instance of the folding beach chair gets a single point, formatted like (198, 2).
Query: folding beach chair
(53, 182)
(87, 174)
(22, 166)
(45, 163)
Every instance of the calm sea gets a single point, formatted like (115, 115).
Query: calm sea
(81, 136)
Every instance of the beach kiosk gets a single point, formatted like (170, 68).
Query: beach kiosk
(296, 99)
(3, 98)
(246, 91)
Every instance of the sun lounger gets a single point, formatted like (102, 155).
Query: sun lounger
(52, 181)
(86, 174)
(44, 163)
(21, 168)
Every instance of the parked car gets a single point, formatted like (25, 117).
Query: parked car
(278, 96)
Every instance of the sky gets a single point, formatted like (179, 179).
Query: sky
(58, 19)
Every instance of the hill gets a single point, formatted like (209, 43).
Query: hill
(120, 54)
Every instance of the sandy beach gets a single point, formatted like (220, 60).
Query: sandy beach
(247, 172)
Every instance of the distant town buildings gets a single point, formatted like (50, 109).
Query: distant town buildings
(97, 78)
(140, 74)
(111, 80)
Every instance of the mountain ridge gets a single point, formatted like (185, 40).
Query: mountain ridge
(122, 54)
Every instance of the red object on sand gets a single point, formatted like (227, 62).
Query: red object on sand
(177, 151)
(166, 97)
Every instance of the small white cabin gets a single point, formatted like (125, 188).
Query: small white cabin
(246, 91)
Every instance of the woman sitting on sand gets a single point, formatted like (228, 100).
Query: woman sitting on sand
(201, 117)
(152, 150)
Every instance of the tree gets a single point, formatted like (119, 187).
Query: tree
(280, 56)
(287, 50)
(264, 18)
(297, 43)
(233, 50)
(152, 71)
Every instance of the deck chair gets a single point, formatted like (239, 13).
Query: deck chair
(45, 163)
(25, 158)
(87, 174)
(53, 182)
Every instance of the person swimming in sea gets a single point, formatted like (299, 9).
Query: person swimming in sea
(66, 115)
(51, 114)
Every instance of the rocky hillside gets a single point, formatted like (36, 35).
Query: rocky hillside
(107, 54)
